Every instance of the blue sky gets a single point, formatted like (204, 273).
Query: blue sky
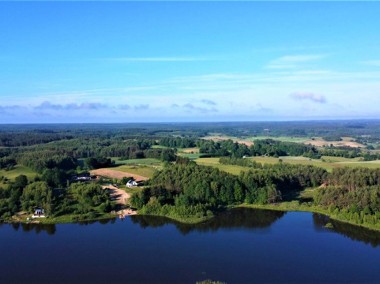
(188, 61)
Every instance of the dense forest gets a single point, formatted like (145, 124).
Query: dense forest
(186, 189)
(364, 131)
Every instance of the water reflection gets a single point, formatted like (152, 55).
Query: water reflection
(51, 229)
(355, 233)
(236, 218)
(37, 228)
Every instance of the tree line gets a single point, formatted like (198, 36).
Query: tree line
(186, 184)
(275, 148)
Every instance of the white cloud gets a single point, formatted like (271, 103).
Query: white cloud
(301, 96)
(293, 61)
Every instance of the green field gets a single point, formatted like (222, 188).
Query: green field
(159, 147)
(328, 163)
(146, 162)
(18, 170)
(189, 155)
(214, 162)
(142, 170)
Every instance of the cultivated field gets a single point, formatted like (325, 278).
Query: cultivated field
(346, 142)
(326, 162)
(138, 162)
(191, 153)
(217, 138)
(117, 173)
(317, 141)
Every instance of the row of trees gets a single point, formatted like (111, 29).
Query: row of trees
(177, 142)
(7, 163)
(275, 148)
(266, 147)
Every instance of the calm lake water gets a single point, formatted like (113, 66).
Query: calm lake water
(239, 246)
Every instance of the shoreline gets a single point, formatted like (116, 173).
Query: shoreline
(277, 207)
(191, 220)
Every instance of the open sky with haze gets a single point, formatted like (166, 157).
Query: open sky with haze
(188, 61)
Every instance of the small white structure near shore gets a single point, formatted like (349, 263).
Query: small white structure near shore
(38, 213)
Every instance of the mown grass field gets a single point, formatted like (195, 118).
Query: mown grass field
(190, 153)
(142, 170)
(146, 162)
(159, 147)
(328, 163)
(214, 162)
(18, 170)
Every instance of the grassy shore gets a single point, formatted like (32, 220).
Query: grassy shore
(282, 206)
(71, 218)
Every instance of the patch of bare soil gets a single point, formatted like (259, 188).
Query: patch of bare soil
(118, 195)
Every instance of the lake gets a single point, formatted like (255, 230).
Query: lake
(239, 246)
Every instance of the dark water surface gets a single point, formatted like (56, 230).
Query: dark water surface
(239, 246)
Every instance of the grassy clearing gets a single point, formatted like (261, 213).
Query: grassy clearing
(132, 190)
(190, 153)
(194, 150)
(328, 163)
(214, 162)
(142, 170)
(369, 164)
(18, 170)
(138, 162)
(159, 147)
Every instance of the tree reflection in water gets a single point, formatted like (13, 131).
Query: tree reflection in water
(234, 218)
(353, 232)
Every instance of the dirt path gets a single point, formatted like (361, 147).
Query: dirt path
(120, 197)
(116, 174)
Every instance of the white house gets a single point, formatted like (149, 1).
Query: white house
(131, 183)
